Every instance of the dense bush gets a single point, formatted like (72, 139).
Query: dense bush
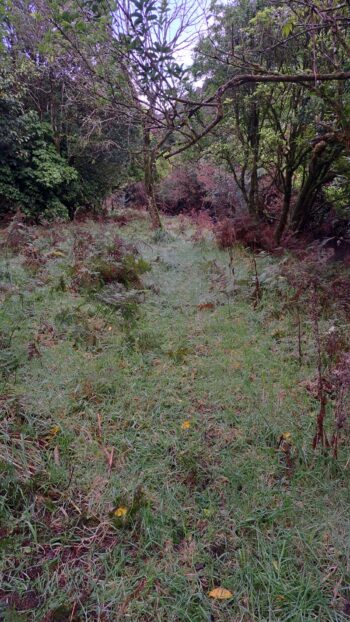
(181, 191)
(202, 186)
(246, 230)
(55, 162)
(33, 176)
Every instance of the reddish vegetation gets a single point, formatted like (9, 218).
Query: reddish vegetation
(203, 187)
(181, 191)
(203, 224)
(245, 230)
(225, 234)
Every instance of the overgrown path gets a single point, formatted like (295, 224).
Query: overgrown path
(151, 458)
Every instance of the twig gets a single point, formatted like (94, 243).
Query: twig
(257, 294)
(320, 434)
(300, 352)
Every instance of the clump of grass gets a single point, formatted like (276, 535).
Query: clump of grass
(113, 263)
(161, 236)
(127, 508)
(143, 341)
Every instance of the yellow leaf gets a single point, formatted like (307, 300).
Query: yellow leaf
(275, 564)
(121, 512)
(235, 365)
(55, 430)
(185, 425)
(286, 436)
(57, 254)
(220, 593)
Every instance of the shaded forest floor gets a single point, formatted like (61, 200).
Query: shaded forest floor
(141, 452)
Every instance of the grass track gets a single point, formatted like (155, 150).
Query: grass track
(95, 422)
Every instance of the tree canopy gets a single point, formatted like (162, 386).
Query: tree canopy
(95, 95)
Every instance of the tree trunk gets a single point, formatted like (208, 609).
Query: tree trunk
(304, 203)
(254, 187)
(318, 174)
(287, 195)
(149, 165)
(254, 139)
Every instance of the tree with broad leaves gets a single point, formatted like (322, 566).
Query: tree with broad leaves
(303, 49)
(131, 48)
(146, 39)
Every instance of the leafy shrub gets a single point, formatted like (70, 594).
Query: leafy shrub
(99, 266)
(203, 223)
(135, 195)
(221, 199)
(37, 175)
(203, 187)
(34, 176)
(181, 191)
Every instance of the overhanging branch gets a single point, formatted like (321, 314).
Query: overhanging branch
(239, 80)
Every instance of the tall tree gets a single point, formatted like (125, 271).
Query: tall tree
(48, 80)
(304, 44)
(145, 40)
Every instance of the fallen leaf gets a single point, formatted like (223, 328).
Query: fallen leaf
(57, 254)
(157, 361)
(52, 433)
(206, 306)
(235, 365)
(55, 430)
(186, 425)
(286, 436)
(220, 593)
(121, 512)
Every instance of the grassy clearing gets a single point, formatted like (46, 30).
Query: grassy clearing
(172, 414)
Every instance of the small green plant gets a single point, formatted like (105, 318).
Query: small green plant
(128, 508)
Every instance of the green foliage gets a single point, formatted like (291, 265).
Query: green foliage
(33, 175)
(338, 192)
(60, 148)
(276, 126)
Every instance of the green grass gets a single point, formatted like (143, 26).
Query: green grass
(94, 422)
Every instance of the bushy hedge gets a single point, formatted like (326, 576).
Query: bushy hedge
(48, 176)
(34, 177)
